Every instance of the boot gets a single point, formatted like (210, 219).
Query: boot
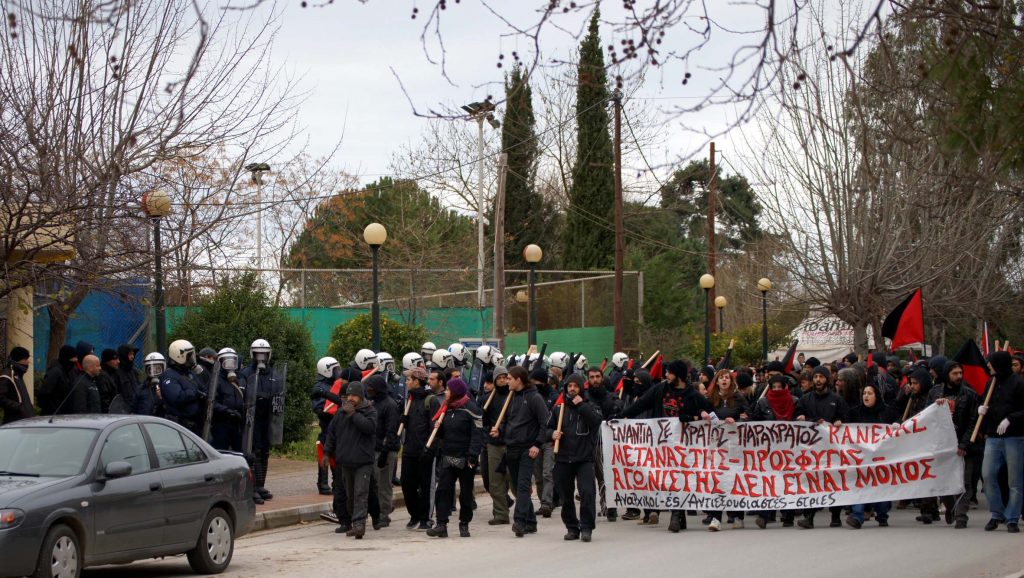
(677, 521)
(438, 531)
(360, 530)
(321, 482)
(464, 530)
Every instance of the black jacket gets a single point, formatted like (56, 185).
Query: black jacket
(56, 386)
(608, 402)
(828, 406)
(492, 412)
(581, 424)
(230, 398)
(129, 381)
(880, 413)
(462, 431)
(964, 404)
(108, 382)
(417, 424)
(738, 407)
(526, 418)
(351, 438)
(388, 418)
(85, 396)
(1007, 403)
(689, 406)
(14, 398)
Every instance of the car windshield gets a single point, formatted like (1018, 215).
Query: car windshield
(56, 452)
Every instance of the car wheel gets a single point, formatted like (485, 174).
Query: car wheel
(216, 544)
(60, 556)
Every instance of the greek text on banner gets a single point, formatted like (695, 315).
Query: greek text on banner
(664, 464)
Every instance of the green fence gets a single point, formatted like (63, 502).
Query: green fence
(595, 342)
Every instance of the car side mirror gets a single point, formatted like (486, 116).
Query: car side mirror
(116, 470)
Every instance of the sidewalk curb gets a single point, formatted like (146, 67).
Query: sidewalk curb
(271, 519)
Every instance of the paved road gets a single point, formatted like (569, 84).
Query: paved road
(905, 549)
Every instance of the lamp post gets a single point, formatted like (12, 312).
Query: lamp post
(257, 170)
(157, 205)
(707, 283)
(481, 111)
(721, 302)
(764, 285)
(533, 254)
(375, 234)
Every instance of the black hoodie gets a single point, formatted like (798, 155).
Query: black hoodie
(962, 402)
(424, 404)
(1007, 398)
(14, 398)
(58, 381)
(580, 427)
(351, 439)
(129, 382)
(526, 418)
(388, 414)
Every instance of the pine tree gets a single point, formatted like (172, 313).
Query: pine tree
(589, 235)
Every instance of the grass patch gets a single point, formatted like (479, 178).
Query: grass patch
(303, 450)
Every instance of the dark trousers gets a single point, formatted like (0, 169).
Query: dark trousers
(416, 486)
(520, 466)
(738, 514)
(340, 504)
(445, 496)
(226, 436)
(357, 490)
(569, 478)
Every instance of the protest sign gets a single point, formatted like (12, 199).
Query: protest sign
(663, 464)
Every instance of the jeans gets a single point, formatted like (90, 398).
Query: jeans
(416, 472)
(520, 467)
(569, 477)
(881, 511)
(498, 483)
(357, 488)
(1000, 451)
(445, 496)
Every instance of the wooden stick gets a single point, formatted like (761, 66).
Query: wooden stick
(490, 398)
(988, 398)
(651, 359)
(906, 412)
(401, 426)
(437, 425)
(504, 408)
(561, 414)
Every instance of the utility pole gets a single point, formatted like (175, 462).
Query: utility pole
(712, 189)
(499, 253)
(481, 300)
(257, 170)
(619, 231)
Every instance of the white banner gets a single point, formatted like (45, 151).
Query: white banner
(773, 465)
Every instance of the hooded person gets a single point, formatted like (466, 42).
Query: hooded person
(58, 381)
(777, 404)
(378, 390)
(351, 442)
(914, 397)
(871, 409)
(574, 425)
(878, 374)
(497, 476)
(14, 398)
(824, 406)
(417, 458)
(129, 381)
(963, 406)
(461, 428)
(83, 348)
(108, 381)
(936, 366)
(1003, 423)
(544, 466)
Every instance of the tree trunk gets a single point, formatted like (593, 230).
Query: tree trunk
(860, 339)
(60, 314)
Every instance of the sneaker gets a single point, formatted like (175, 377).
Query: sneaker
(438, 531)
(737, 525)
(653, 519)
(463, 530)
(992, 524)
(497, 522)
(545, 511)
(883, 523)
(960, 525)
(631, 515)
(707, 519)
(854, 522)
(424, 526)
(571, 535)
(329, 517)
(1012, 528)
(518, 530)
(761, 522)
(585, 535)
(714, 526)
(805, 523)
(343, 529)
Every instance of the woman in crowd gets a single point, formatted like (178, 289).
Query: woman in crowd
(872, 409)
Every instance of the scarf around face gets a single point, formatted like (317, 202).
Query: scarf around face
(781, 403)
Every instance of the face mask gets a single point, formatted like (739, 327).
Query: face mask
(19, 366)
(229, 363)
(261, 360)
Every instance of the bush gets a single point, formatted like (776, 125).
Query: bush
(238, 313)
(357, 333)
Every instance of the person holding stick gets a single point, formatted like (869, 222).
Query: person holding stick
(417, 459)
(574, 427)
(461, 428)
(525, 435)
(497, 475)
(1003, 419)
(963, 405)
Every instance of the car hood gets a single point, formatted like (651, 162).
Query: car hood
(13, 488)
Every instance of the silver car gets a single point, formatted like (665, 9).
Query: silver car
(89, 490)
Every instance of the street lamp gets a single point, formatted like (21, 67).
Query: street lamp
(721, 302)
(481, 111)
(257, 170)
(764, 285)
(157, 205)
(533, 254)
(375, 234)
(707, 283)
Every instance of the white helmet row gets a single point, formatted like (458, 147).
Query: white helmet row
(559, 359)
(326, 367)
(581, 362)
(443, 358)
(428, 349)
(155, 364)
(488, 355)
(619, 360)
(385, 361)
(365, 359)
(411, 360)
(182, 352)
(458, 352)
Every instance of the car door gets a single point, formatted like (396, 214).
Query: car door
(185, 473)
(128, 511)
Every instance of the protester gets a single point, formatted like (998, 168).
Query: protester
(351, 441)
(461, 429)
(778, 404)
(498, 482)
(544, 466)
(821, 405)
(963, 405)
(14, 398)
(129, 381)
(872, 409)
(85, 395)
(574, 425)
(728, 405)
(57, 382)
(108, 381)
(599, 391)
(417, 459)
(1004, 426)
(388, 417)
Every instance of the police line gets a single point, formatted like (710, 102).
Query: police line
(664, 464)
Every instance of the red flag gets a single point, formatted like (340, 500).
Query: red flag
(604, 364)
(658, 370)
(984, 339)
(319, 452)
(905, 324)
(440, 412)
(789, 361)
(871, 361)
(974, 365)
(619, 386)
(369, 372)
(560, 400)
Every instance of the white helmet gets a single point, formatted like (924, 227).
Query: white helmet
(619, 360)
(532, 360)
(443, 358)
(458, 351)
(365, 359)
(228, 359)
(259, 351)
(497, 358)
(385, 361)
(411, 360)
(559, 359)
(326, 367)
(428, 349)
(155, 364)
(183, 353)
(581, 362)
(486, 353)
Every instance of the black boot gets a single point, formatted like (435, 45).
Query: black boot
(438, 531)
(464, 530)
(321, 482)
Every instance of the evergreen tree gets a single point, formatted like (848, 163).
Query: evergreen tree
(589, 235)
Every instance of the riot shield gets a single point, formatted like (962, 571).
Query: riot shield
(280, 378)
(476, 378)
(211, 397)
(249, 427)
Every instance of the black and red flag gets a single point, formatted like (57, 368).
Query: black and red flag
(974, 365)
(789, 361)
(658, 369)
(905, 324)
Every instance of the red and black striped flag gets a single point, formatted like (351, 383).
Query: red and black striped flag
(974, 365)
(905, 324)
(789, 361)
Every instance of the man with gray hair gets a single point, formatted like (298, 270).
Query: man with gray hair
(85, 395)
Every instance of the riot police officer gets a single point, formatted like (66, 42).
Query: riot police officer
(147, 399)
(229, 404)
(329, 371)
(180, 387)
(269, 408)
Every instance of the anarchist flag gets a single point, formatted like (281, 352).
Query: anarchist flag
(905, 324)
(974, 365)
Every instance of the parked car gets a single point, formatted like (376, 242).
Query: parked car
(88, 490)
